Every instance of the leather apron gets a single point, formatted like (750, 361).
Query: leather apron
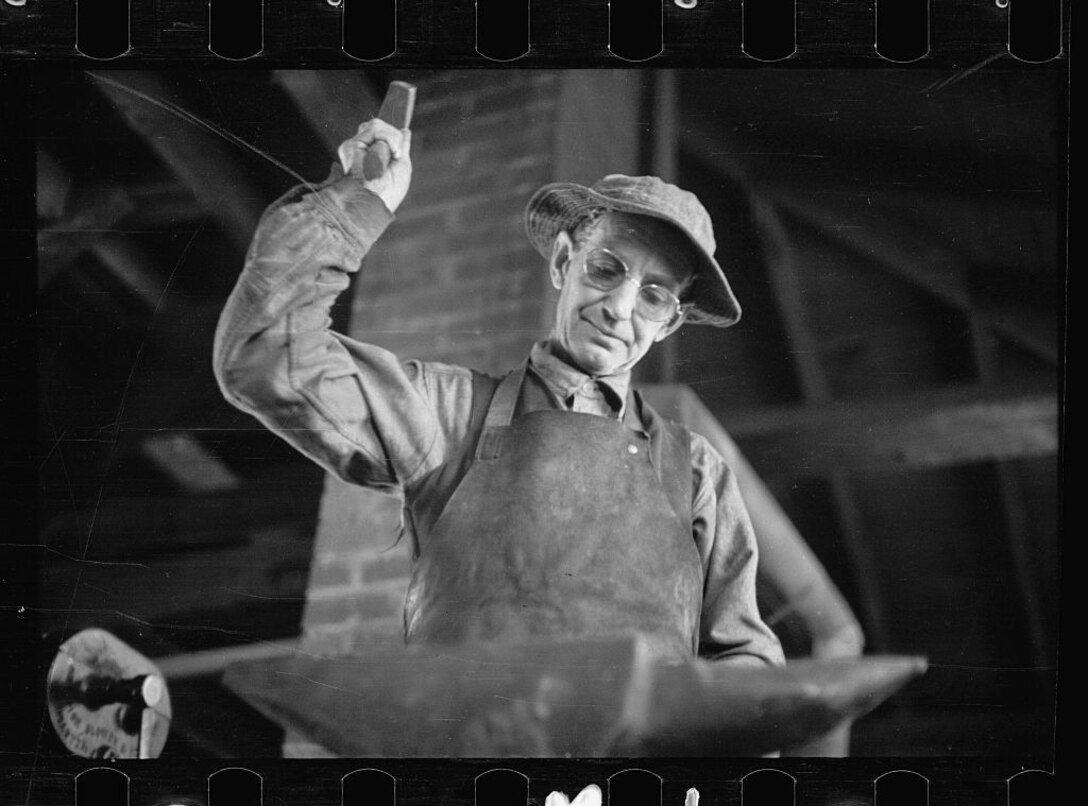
(559, 527)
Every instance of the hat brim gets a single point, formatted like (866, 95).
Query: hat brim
(561, 206)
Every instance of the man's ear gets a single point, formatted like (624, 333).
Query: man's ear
(672, 326)
(559, 262)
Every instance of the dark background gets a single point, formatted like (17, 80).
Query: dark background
(925, 230)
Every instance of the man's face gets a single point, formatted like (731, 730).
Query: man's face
(598, 331)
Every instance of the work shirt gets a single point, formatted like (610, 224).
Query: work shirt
(373, 419)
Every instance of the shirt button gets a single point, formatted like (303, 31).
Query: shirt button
(632, 449)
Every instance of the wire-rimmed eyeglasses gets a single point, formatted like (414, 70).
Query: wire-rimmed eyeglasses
(605, 270)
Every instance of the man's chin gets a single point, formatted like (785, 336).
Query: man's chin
(595, 361)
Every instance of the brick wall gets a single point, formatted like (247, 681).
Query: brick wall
(454, 279)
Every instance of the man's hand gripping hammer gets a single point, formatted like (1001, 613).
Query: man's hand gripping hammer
(396, 110)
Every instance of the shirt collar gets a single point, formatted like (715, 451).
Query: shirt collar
(565, 380)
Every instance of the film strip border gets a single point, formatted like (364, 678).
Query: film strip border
(627, 783)
(536, 33)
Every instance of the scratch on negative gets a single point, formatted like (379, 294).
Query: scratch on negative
(940, 85)
(320, 683)
(73, 558)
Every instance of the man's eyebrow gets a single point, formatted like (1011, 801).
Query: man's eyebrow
(680, 278)
(667, 279)
(684, 268)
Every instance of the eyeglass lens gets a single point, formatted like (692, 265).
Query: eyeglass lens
(606, 271)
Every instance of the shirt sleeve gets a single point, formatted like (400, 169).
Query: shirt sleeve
(354, 408)
(731, 627)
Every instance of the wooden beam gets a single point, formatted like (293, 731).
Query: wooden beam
(75, 221)
(922, 260)
(1035, 331)
(936, 429)
(933, 273)
(54, 187)
(781, 263)
(129, 265)
(162, 205)
(179, 455)
(213, 661)
(922, 257)
(962, 201)
(210, 584)
(196, 156)
(1022, 560)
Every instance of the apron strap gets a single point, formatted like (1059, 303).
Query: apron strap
(500, 413)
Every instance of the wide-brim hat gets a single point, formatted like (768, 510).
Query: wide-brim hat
(561, 206)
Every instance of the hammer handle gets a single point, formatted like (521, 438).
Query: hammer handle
(396, 109)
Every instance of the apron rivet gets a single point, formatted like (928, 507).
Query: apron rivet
(632, 449)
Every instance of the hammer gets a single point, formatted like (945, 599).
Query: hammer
(396, 109)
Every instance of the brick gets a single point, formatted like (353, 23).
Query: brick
(379, 605)
(475, 149)
(472, 209)
(492, 124)
(353, 636)
(379, 632)
(386, 567)
(329, 610)
(476, 295)
(329, 641)
(330, 574)
(518, 266)
(486, 167)
(438, 217)
(458, 326)
(407, 266)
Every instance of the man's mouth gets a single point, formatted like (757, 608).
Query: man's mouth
(608, 334)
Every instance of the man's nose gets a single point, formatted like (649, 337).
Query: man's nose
(621, 300)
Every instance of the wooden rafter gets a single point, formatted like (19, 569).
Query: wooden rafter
(920, 257)
(1015, 513)
(782, 267)
(197, 157)
(781, 263)
(931, 429)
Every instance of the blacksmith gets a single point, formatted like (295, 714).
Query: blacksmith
(551, 502)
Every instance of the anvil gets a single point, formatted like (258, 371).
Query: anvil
(608, 697)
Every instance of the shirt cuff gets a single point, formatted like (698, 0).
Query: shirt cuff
(357, 211)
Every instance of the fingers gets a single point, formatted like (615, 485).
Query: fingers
(590, 796)
(375, 130)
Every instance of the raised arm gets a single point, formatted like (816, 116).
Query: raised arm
(354, 408)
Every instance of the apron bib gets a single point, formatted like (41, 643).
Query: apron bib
(559, 528)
